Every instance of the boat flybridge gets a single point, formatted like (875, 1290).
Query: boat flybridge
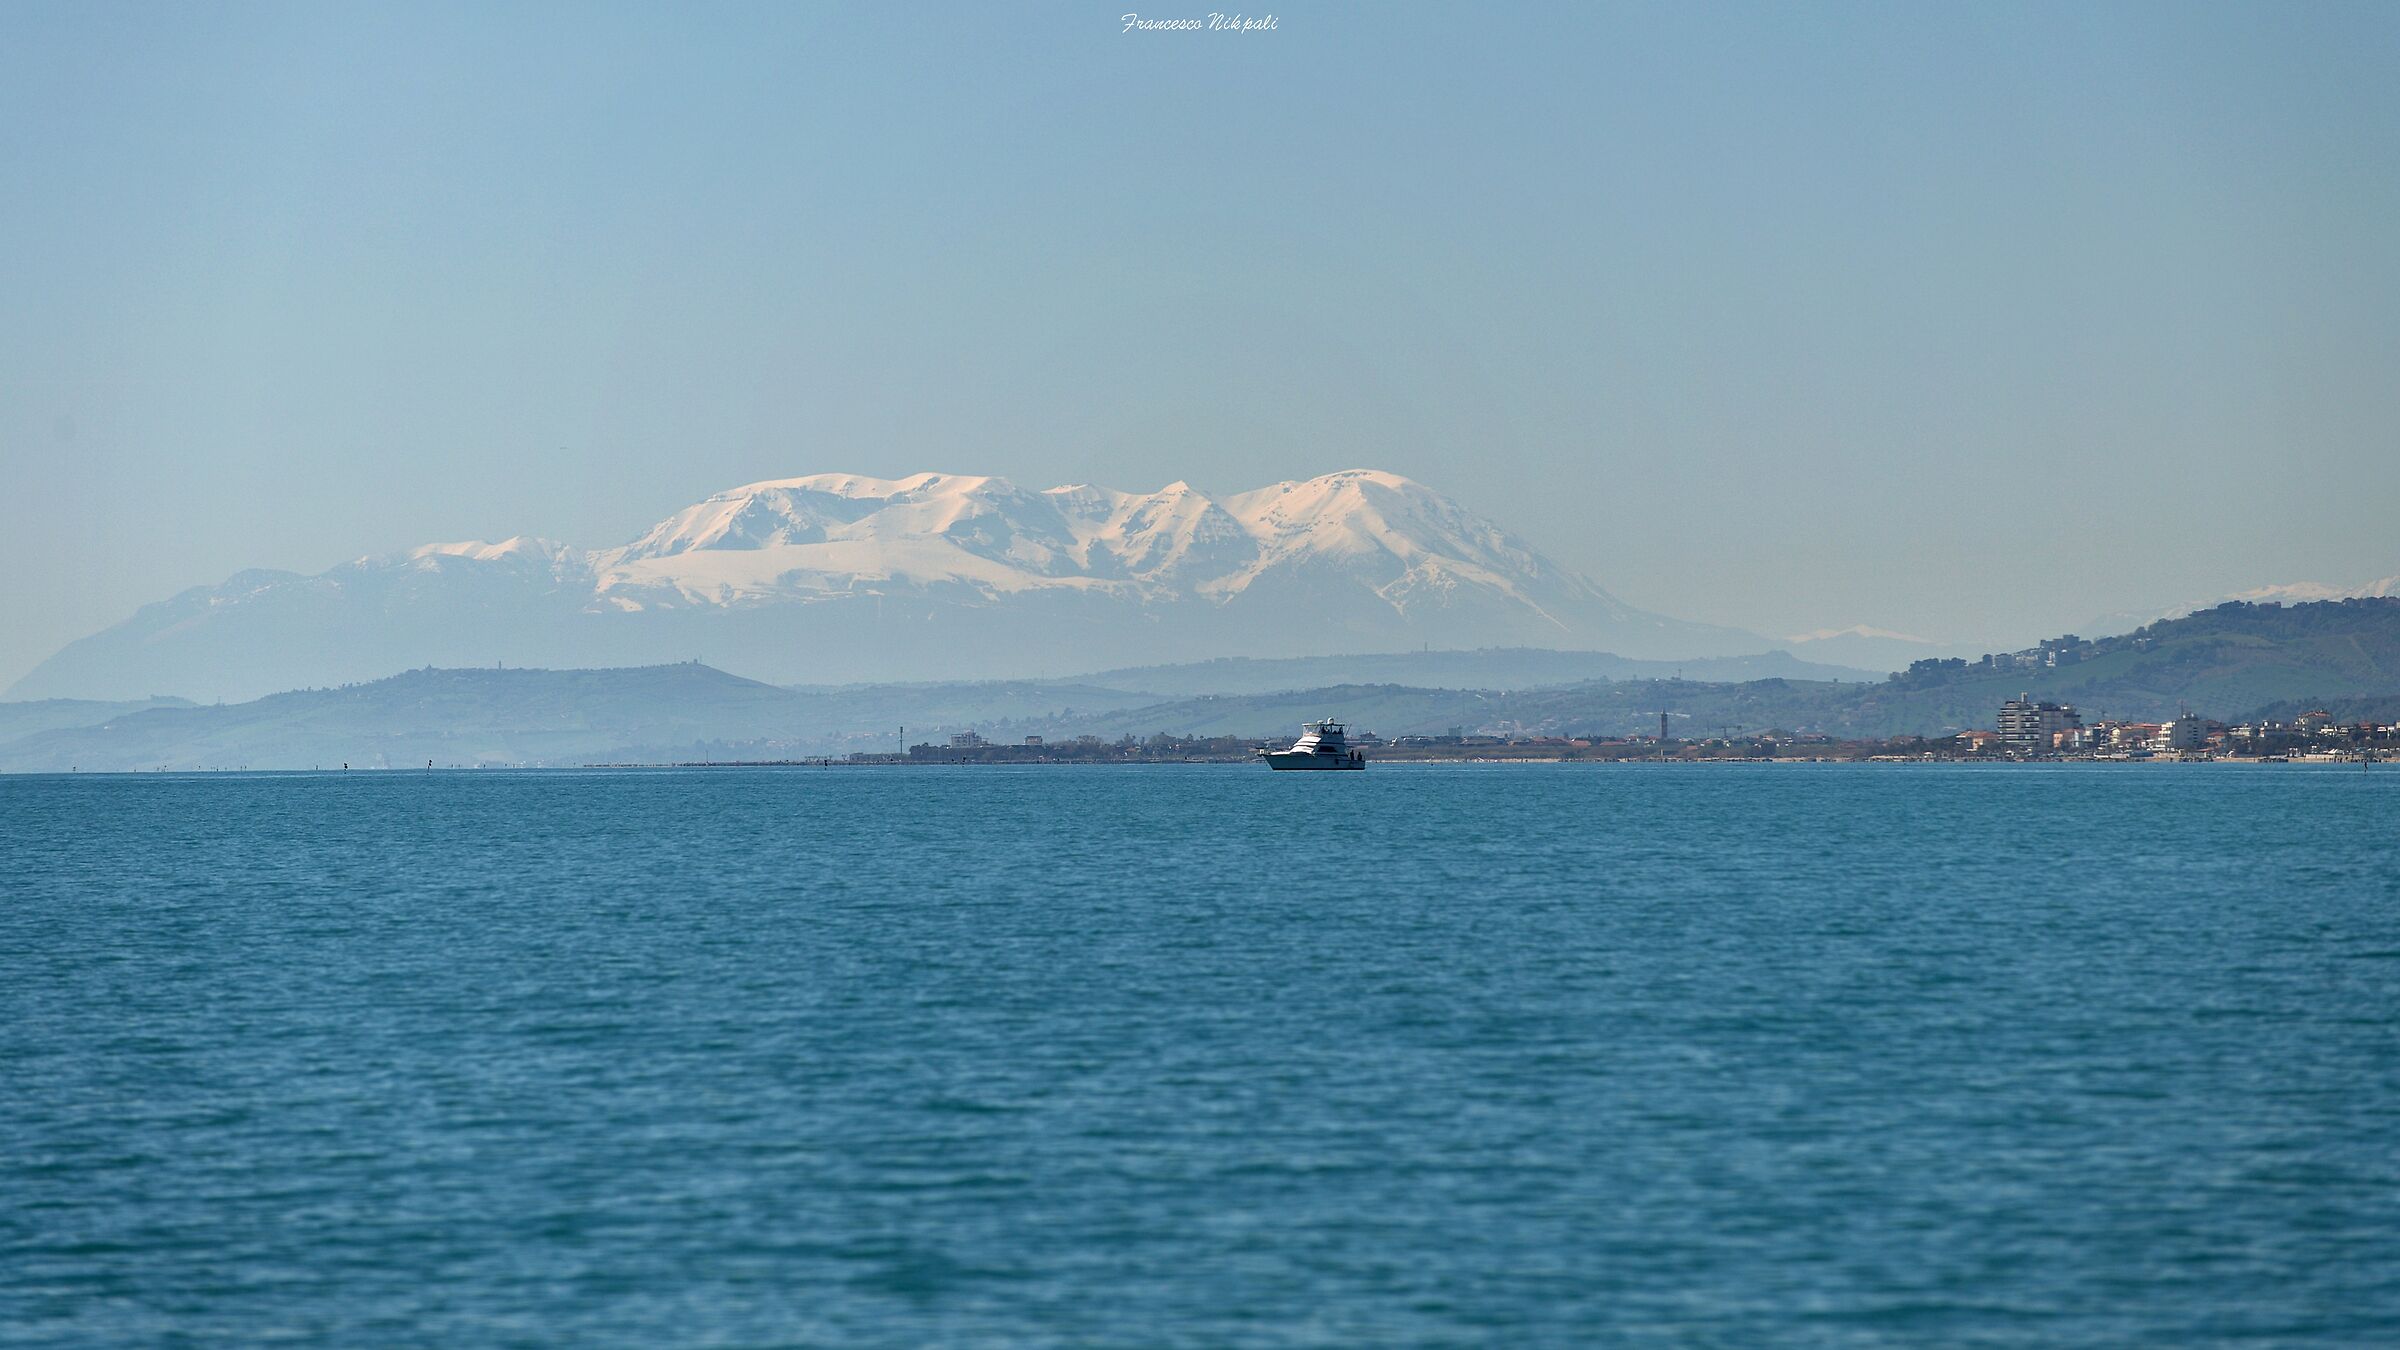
(1322, 745)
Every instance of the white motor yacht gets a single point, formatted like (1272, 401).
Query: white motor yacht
(1322, 745)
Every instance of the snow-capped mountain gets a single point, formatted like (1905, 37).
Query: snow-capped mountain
(838, 577)
(840, 534)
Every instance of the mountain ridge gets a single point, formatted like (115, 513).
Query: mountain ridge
(847, 577)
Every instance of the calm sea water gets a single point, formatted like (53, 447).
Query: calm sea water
(1206, 1055)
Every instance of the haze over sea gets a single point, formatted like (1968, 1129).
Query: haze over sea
(1204, 1055)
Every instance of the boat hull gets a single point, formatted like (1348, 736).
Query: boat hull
(1284, 759)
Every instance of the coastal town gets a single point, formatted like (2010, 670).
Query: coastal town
(2027, 729)
(2023, 729)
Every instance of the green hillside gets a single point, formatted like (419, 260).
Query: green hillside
(2225, 662)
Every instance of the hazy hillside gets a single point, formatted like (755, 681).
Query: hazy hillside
(485, 716)
(2226, 662)
(1624, 708)
(686, 712)
(448, 716)
(19, 720)
(1484, 668)
(2223, 662)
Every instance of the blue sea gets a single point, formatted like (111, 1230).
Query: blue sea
(1203, 1055)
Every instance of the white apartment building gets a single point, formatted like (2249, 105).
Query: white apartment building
(2030, 726)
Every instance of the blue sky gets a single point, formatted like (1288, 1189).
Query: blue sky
(1974, 321)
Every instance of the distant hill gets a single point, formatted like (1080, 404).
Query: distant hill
(1607, 708)
(2289, 593)
(2227, 662)
(2381, 709)
(2222, 662)
(1878, 649)
(667, 714)
(533, 717)
(1483, 668)
(448, 716)
(19, 720)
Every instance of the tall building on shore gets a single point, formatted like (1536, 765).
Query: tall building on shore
(2029, 726)
(2186, 732)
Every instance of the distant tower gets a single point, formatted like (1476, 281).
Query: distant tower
(1662, 728)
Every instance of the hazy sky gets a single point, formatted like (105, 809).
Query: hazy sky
(1969, 320)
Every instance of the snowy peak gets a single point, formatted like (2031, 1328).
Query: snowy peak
(839, 577)
(830, 534)
(812, 510)
(1410, 543)
(1361, 512)
(522, 558)
(1155, 537)
(519, 548)
(834, 533)
(975, 539)
(848, 531)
